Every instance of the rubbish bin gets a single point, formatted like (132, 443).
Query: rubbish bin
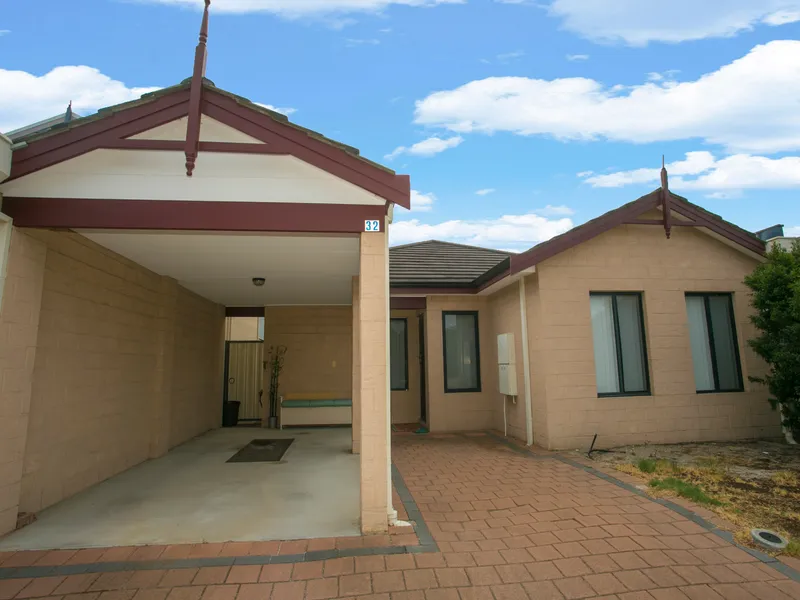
(230, 413)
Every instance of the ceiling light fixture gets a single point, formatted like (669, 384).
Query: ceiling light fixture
(259, 281)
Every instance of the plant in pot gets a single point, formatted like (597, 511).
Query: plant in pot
(274, 363)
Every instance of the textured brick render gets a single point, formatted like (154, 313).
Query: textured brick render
(19, 324)
(373, 301)
(565, 407)
(122, 364)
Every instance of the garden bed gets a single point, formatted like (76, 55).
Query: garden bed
(750, 484)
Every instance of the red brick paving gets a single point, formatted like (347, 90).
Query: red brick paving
(507, 527)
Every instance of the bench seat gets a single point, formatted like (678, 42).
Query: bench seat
(315, 409)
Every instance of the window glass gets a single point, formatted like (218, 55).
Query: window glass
(398, 354)
(462, 366)
(620, 355)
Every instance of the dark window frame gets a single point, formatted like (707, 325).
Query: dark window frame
(732, 323)
(618, 346)
(405, 355)
(473, 313)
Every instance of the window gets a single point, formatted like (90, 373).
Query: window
(620, 352)
(398, 354)
(715, 350)
(462, 361)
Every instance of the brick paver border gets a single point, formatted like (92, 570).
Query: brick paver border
(426, 544)
(684, 512)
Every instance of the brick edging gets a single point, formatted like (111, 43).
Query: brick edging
(426, 544)
(684, 512)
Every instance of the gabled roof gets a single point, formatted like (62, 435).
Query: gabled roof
(112, 126)
(28, 131)
(434, 269)
(442, 264)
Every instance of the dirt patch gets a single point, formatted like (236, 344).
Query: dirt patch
(757, 483)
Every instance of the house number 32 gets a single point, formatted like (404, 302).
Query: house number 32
(372, 225)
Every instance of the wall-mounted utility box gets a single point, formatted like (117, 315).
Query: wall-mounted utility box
(507, 364)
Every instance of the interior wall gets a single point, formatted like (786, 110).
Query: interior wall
(406, 404)
(107, 336)
(462, 411)
(318, 342)
(197, 380)
(639, 258)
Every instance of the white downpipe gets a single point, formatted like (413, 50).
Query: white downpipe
(526, 363)
(505, 419)
(392, 513)
(787, 433)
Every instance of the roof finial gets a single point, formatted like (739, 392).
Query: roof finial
(665, 198)
(196, 95)
(68, 114)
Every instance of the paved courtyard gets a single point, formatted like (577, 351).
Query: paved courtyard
(505, 525)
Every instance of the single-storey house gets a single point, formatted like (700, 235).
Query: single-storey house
(127, 237)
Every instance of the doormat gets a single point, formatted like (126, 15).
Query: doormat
(262, 451)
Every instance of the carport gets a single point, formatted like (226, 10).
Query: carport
(133, 231)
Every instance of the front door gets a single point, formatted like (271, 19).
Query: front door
(245, 375)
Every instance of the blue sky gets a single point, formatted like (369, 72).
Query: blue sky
(555, 110)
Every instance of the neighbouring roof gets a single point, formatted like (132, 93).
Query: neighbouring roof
(770, 232)
(442, 264)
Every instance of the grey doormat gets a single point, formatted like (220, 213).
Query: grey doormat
(262, 450)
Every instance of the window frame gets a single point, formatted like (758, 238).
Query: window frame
(405, 354)
(618, 346)
(474, 314)
(732, 322)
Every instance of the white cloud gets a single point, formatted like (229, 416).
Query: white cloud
(555, 211)
(702, 171)
(574, 57)
(787, 231)
(504, 232)
(431, 146)
(301, 8)
(5, 31)
(284, 111)
(506, 56)
(421, 202)
(585, 173)
(354, 42)
(748, 105)
(485, 192)
(637, 22)
(28, 98)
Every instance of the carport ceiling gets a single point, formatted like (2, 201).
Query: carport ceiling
(221, 266)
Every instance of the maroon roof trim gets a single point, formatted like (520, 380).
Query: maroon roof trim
(85, 213)
(426, 291)
(46, 152)
(244, 311)
(175, 145)
(407, 303)
(621, 216)
(110, 131)
(659, 222)
(396, 188)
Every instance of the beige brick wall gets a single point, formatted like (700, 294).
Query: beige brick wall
(197, 384)
(107, 344)
(504, 317)
(406, 404)
(640, 258)
(464, 411)
(19, 324)
(373, 300)
(318, 342)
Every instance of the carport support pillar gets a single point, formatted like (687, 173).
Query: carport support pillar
(23, 264)
(356, 393)
(161, 408)
(373, 302)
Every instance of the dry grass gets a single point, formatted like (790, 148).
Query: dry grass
(769, 500)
